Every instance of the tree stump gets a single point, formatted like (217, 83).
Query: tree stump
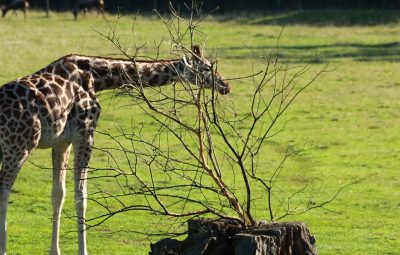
(289, 238)
(227, 237)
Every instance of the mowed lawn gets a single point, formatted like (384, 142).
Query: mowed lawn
(346, 124)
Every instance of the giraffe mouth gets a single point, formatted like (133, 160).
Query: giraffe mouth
(225, 88)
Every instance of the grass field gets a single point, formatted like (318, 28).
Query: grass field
(347, 123)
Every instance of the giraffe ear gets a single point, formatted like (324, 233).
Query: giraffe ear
(197, 51)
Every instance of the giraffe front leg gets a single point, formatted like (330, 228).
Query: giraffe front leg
(82, 152)
(85, 124)
(60, 156)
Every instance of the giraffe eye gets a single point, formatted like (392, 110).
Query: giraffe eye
(207, 69)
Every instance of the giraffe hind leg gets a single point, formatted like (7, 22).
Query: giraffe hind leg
(11, 165)
(15, 149)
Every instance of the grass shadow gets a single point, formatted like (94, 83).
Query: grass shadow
(335, 17)
(389, 52)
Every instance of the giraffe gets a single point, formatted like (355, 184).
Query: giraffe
(56, 107)
(16, 5)
(88, 4)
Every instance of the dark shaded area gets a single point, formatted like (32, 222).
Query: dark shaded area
(227, 236)
(332, 17)
(389, 52)
(257, 12)
(225, 6)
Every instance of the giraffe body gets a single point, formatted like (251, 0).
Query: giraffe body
(57, 108)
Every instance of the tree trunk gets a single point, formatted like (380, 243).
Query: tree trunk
(227, 237)
(47, 8)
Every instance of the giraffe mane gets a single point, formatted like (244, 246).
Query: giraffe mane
(121, 58)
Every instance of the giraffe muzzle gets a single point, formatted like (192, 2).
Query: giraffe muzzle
(225, 88)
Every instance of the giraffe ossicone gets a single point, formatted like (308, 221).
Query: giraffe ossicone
(57, 108)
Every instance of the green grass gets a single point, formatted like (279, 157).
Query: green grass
(346, 123)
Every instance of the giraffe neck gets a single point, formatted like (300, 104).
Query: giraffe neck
(111, 73)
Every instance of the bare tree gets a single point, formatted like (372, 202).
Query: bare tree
(206, 155)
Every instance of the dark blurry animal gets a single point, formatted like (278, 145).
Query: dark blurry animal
(16, 5)
(88, 4)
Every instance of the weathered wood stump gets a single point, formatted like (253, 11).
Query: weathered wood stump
(227, 237)
(290, 238)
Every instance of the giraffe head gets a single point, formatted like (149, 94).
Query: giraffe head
(199, 70)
